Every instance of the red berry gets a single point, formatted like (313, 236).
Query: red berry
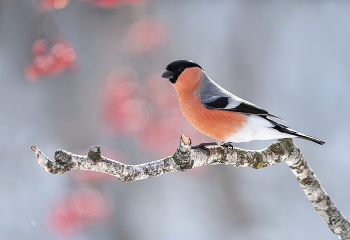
(46, 4)
(31, 73)
(58, 49)
(59, 4)
(39, 47)
(134, 115)
(69, 55)
(145, 35)
(79, 209)
(39, 63)
(62, 219)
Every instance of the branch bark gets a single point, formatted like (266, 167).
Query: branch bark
(186, 158)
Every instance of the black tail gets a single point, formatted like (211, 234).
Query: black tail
(284, 129)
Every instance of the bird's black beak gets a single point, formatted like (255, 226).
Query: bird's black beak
(167, 74)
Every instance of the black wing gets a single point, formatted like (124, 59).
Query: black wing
(246, 107)
(220, 102)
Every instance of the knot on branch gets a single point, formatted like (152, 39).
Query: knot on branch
(63, 163)
(288, 145)
(277, 148)
(95, 153)
(182, 156)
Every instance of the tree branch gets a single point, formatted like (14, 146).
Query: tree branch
(186, 158)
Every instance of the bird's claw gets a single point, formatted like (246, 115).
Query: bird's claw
(228, 145)
(203, 147)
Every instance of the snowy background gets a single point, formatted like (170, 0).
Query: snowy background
(289, 57)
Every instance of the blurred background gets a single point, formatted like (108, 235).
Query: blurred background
(80, 73)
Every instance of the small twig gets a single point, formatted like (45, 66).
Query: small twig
(186, 158)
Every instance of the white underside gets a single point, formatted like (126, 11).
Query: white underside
(257, 128)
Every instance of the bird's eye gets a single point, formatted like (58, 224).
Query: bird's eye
(181, 69)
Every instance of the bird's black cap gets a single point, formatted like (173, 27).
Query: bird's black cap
(174, 69)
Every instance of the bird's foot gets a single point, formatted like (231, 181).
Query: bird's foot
(203, 147)
(228, 145)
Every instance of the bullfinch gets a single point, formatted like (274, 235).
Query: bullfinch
(219, 114)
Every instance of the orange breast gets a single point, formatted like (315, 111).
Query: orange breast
(217, 124)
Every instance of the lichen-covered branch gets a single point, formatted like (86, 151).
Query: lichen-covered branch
(186, 158)
(317, 195)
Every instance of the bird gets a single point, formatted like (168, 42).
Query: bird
(218, 113)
